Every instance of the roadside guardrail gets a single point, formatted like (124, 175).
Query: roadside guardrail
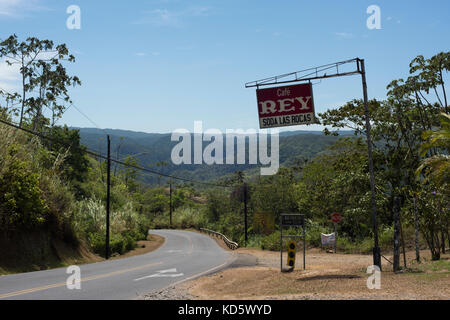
(230, 244)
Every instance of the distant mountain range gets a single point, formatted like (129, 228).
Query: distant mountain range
(151, 149)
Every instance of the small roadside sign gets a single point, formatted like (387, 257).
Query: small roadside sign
(328, 239)
(336, 217)
(292, 220)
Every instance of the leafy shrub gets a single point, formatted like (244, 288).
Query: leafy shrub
(386, 237)
(126, 226)
(347, 245)
(21, 199)
(313, 233)
(271, 242)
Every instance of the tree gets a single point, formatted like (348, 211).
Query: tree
(338, 181)
(67, 142)
(217, 204)
(130, 173)
(412, 108)
(161, 164)
(45, 80)
(275, 194)
(9, 105)
(437, 167)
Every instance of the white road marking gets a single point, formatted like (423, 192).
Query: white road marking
(169, 273)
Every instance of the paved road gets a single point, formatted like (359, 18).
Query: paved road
(184, 255)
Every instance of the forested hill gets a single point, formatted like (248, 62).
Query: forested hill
(153, 150)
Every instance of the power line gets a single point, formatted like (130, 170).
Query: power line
(89, 119)
(113, 160)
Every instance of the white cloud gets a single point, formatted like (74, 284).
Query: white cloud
(143, 54)
(9, 76)
(185, 47)
(166, 18)
(344, 35)
(17, 8)
(162, 18)
(9, 7)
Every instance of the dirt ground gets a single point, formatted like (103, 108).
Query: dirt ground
(327, 276)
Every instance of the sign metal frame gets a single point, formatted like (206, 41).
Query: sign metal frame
(325, 72)
(295, 223)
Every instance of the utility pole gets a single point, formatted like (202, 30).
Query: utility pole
(245, 213)
(325, 72)
(170, 204)
(376, 249)
(108, 197)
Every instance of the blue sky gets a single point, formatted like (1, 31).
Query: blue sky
(159, 65)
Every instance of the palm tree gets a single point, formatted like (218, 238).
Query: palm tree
(437, 167)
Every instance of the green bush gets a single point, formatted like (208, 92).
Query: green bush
(346, 245)
(182, 218)
(386, 237)
(126, 226)
(117, 243)
(271, 242)
(313, 233)
(97, 243)
(21, 199)
(254, 241)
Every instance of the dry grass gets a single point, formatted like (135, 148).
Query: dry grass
(328, 276)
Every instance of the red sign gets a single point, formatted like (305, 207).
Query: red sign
(286, 106)
(336, 217)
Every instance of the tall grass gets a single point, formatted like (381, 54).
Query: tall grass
(182, 218)
(126, 225)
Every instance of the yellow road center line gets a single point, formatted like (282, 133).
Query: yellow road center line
(61, 284)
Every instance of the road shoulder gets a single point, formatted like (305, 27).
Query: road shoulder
(327, 277)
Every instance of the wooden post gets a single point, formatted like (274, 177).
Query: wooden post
(403, 240)
(304, 245)
(245, 214)
(396, 235)
(281, 246)
(170, 205)
(416, 227)
(108, 197)
(335, 236)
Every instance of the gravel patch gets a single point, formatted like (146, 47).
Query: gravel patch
(178, 292)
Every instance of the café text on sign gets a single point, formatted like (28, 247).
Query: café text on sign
(286, 106)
